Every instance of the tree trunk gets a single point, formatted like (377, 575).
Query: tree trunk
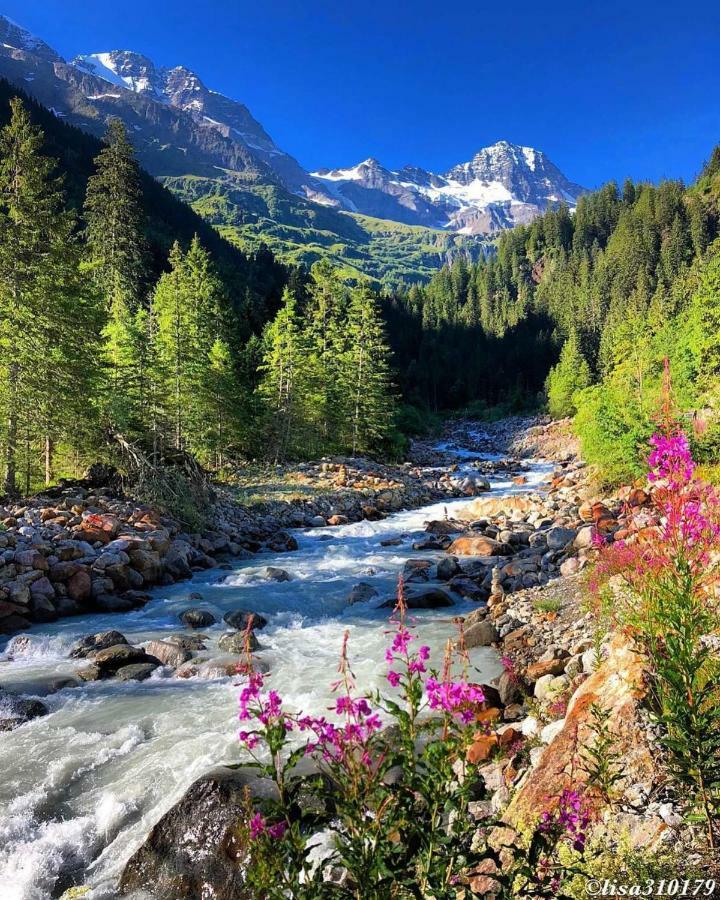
(10, 484)
(48, 460)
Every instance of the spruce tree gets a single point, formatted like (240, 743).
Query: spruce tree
(369, 398)
(117, 254)
(570, 375)
(47, 315)
(285, 380)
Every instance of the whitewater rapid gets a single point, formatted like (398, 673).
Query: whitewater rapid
(81, 787)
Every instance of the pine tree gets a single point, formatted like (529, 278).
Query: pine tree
(570, 375)
(47, 316)
(117, 254)
(191, 353)
(284, 383)
(366, 365)
(325, 332)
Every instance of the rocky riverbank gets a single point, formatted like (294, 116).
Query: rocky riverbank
(83, 549)
(522, 558)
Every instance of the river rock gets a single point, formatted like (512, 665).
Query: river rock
(113, 658)
(187, 641)
(234, 642)
(423, 598)
(361, 593)
(168, 654)
(448, 568)
(92, 643)
(16, 711)
(136, 671)
(481, 634)
(476, 545)
(239, 618)
(282, 542)
(272, 573)
(559, 538)
(194, 851)
(197, 618)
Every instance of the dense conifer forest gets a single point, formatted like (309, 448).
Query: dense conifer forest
(126, 317)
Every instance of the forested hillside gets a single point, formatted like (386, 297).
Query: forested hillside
(128, 326)
(632, 278)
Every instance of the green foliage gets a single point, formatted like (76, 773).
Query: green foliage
(600, 760)
(570, 375)
(48, 314)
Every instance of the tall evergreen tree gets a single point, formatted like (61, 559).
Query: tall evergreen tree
(47, 316)
(569, 376)
(117, 253)
(369, 397)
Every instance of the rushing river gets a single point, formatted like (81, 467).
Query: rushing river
(81, 787)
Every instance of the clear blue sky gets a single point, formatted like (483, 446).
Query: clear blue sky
(607, 89)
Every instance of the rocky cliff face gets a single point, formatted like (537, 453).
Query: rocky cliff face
(501, 186)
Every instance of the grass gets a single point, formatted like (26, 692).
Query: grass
(547, 604)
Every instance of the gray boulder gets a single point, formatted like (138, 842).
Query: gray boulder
(239, 618)
(197, 618)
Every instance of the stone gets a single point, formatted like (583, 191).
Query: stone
(239, 619)
(282, 542)
(416, 570)
(16, 711)
(448, 568)
(570, 566)
(168, 654)
(509, 688)
(272, 573)
(234, 642)
(559, 538)
(546, 667)
(92, 643)
(79, 586)
(443, 527)
(551, 731)
(187, 641)
(194, 850)
(481, 634)
(110, 659)
(361, 593)
(136, 671)
(317, 522)
(423, 598)
(197, 618)
(584, 538)
(338, 520)
(476, 545)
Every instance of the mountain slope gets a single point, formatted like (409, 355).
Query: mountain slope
(501, 186)
(210, 150)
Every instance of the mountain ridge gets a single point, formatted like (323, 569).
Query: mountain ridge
(183, 130)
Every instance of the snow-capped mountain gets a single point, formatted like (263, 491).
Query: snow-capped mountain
(182, 89)
(180, 127)
(501, 186)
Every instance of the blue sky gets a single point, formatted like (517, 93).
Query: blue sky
(607, 89)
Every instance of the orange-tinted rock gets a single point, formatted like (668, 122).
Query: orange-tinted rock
(482, 748)
(475, 545)
(548, 667)
(618, 687)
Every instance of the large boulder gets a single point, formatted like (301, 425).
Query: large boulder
(476, 545)
(194, 850)
(239, 618)
(197, 618)
(559, 538)
(92, 643)
(481, 634)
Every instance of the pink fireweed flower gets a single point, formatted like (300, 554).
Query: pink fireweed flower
(460, 699)
(257, 826)
(393, 677)
(671, 461)
(571, 819)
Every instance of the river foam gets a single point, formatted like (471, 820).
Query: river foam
(82, 786)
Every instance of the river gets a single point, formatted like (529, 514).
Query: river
(82, 786)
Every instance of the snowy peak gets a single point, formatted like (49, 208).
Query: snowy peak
(501, 186)
(14, 37)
